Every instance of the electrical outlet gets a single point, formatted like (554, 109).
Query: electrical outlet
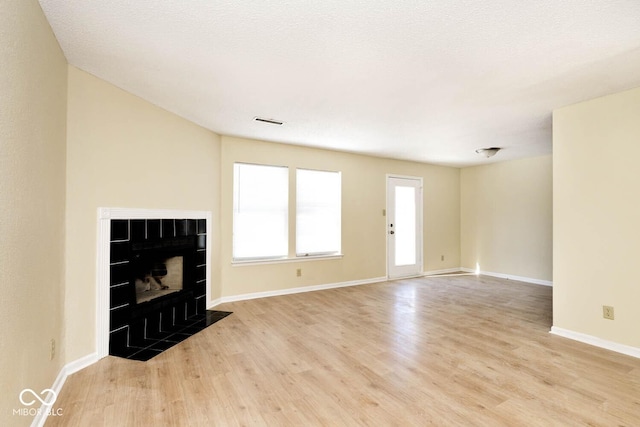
(607, 312)
(299, 272)
(52, 350)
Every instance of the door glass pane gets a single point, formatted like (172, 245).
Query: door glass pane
(405, 226)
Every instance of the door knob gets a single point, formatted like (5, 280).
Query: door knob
(392, 232)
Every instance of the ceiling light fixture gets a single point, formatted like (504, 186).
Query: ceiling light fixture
(488, 152)
(270, 121)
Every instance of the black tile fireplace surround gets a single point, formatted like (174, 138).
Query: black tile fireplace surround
(142, 330)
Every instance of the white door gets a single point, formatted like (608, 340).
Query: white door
(404, 226)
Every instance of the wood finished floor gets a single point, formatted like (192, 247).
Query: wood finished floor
(445, 351)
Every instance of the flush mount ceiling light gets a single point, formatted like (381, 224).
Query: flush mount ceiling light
(488, 152)
(270, 121)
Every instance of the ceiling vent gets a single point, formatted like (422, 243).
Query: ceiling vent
(270, 121)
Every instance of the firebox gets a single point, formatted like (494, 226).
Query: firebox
(158, 278)
(160, 267)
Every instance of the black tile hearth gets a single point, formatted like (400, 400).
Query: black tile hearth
(144, 347)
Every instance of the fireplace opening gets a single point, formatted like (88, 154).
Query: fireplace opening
(161, 267)
(159, 277)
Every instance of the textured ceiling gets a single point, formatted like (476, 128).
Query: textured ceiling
(429, 81)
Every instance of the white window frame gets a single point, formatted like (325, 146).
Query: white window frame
(338, 250)
(291, 255)
(278, 256)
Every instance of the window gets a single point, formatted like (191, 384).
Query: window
(318, 212)
(260, 211)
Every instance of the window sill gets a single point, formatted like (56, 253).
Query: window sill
(239, 263)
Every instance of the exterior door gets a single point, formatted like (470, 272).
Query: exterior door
(404, 226)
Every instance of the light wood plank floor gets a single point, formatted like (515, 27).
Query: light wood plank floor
(445, 351)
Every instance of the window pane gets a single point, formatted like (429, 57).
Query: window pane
(318, 213)
(405, 237)
(260, 211)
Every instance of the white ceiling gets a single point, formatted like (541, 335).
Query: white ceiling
(429, 81)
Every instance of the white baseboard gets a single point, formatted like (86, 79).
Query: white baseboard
(595, 341)
(511, 277)
(68, 369)
(213, 303)
(298, 290)
(444, 271)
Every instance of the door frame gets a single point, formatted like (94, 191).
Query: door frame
(419, 220)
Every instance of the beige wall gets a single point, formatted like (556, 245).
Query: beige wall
(506, 218)
(597, 217)
(32, 196)
(363, 225)
(124, 152)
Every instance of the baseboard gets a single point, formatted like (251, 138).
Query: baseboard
(213, 303)
(289, 291)
(510, 277)
(439, 272)
(68, 369)
(595, 341)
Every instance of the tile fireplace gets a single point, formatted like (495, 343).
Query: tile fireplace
(155, 271)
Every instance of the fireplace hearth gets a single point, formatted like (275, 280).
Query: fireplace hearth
(157, 284)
